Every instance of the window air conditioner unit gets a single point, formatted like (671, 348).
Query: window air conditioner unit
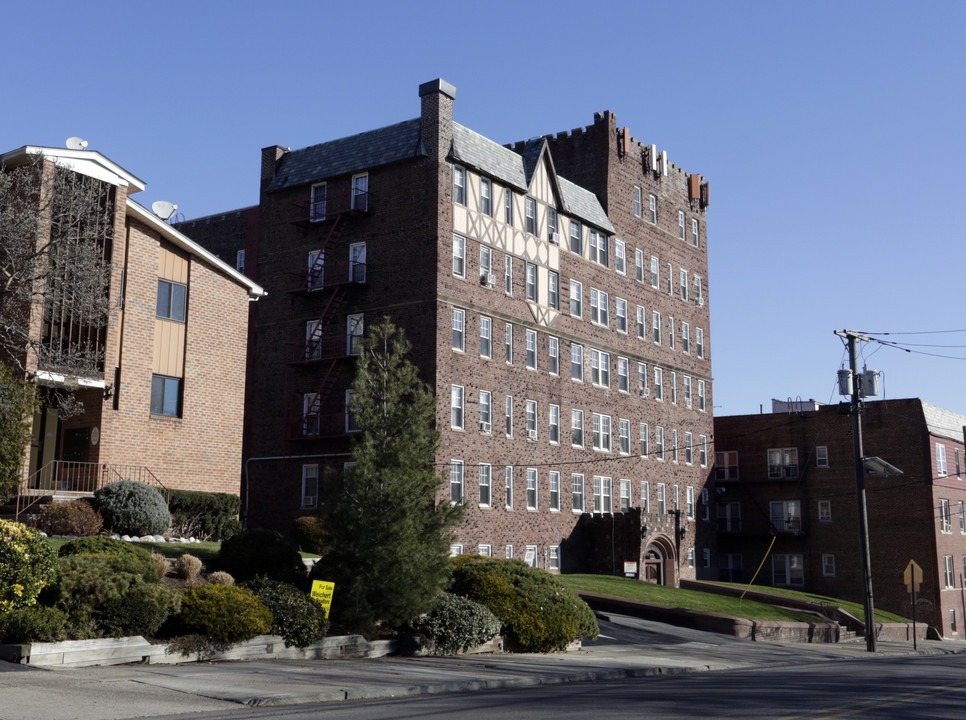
(532, 435)
(309, 501)
(555, 238)
(700, 302)
(490, 280)
(688, 403)
(485, 427)
(645, 392)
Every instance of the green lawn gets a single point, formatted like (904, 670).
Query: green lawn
(695, 600)
(850, 607)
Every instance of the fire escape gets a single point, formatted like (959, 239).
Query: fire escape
(325, 285)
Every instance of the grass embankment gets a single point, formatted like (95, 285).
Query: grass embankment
(679, 598)
(850, 607)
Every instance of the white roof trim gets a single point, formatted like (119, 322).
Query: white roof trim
(86, 162)
(255, 291)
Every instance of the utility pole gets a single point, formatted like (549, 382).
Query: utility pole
(863, 511)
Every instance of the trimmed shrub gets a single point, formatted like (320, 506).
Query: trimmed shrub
(188, 566)
(298, 618)
(220, 577)
(225, 613)
(308, 533)
(456, 624)
(127, 557)
(262, 552)
(205, 515)
(27, 565)
(161, 564)
(108, 594)
(72, 517)
(37, 623)
(538, 613)
(132, 508)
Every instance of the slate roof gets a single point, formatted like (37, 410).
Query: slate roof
(402, 142)
(348, 154)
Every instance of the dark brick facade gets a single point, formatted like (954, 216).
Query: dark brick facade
(905, 516)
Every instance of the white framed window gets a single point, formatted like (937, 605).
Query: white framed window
(486, 482)
(508, 274)
(641, 323)
(674, 457)
(645, 496)
(318, 203)
(686, 383)
(620, 257)
(623, 375)
(486, 196)
(624, 436)
(598, 248)
(530, 558)
(360, 192)
(625, 495)
(577, 428)
(705, 503)
(316, 272)
(577, 362)
(486, 265)
(688, 448)
(689, 501)
(508, 206)
(553, 354)
(959, 463)
(554, 481)
(531, 338)
(598, 307)
(459, 256)
(659, 442)
(357, 262)
(670, 279)
(642, 388)
(456, 407)
(638, 200)
(554, 417)
(240, 260)
(313, 340)
(576, 238)
(701, 395)
(726, 465)
(531, 419)
(962, 517)
(698, 295)
(670, 332)
(940, 460)
(310, 485)
(459, 185)
(658, 383)
(602, 432)
(310, 414)
(531, 282)
(694, 233)
(782, 463)
(685, 338)
(553, 560)
(703, 450)
(599, 368)
(681, 224)
(508, 487)
(825, 511)
(655, 272)
(455, 550)
(948, 577)
(661, 499)
(486, 411)
(577, 492)
(552, 234)
(486, 337)
(530, 211)
(485, 550)
(531, 488)
(821, 456)
(508, 415)
(620, 312)
(786, 515)
(652, 209)
(945, 524)
(699, 342)
(639, 265)
(508, 554)
(603, 494)
(656, 326)
(576, 299)
(787, 570)
(508, 343)
(643, 444)
(354, 330)
(459, 329)
(553, 290)
(456, 481)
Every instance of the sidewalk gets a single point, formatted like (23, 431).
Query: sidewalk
(628, 648)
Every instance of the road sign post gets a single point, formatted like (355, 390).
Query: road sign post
(913, 578)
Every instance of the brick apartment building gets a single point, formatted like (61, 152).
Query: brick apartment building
(790, 475)
(167, 402)
(555, 292)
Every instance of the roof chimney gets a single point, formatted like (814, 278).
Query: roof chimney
(270, 157)
(436, 129)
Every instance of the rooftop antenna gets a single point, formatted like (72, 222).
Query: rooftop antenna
(76, 143)
(163, 209)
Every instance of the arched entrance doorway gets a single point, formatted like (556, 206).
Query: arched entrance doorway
(658, 565)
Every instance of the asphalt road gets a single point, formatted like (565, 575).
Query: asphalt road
(881, 688)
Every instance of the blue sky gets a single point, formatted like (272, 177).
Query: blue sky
(831, 133)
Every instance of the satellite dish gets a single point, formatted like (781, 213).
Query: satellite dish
(76, 143)
(163, 209)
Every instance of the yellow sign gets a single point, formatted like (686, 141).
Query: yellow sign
(912, 576)
(322, 591)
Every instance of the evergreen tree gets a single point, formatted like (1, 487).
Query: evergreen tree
(387, 536)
